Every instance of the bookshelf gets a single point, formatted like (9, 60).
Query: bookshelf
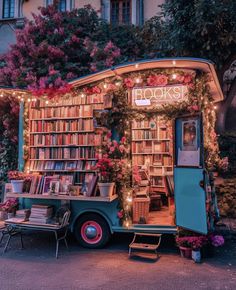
(63, 139)
(152, 148)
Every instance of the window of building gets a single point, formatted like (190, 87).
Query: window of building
(8, 8)
(62, 5)
(120, 12)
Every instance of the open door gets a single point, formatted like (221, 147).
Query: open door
(190, 197)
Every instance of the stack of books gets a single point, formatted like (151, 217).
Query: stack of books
(41, 214)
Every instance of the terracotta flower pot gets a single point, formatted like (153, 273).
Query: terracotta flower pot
(185, 252)
(106, 189)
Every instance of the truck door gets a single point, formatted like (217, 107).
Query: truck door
(190, 196)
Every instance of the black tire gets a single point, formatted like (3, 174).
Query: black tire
(96, 223)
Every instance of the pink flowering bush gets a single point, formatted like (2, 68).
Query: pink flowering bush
(56, 47)
(194, 242)
(9, 206)
(112, 162)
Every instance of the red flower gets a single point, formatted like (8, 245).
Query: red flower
(157, 80)
(187, 79)
(129, 82)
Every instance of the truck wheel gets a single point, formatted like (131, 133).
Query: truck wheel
(92, 231)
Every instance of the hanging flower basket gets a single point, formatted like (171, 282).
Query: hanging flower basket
(106, 188)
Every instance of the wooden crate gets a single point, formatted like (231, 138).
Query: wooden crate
(140, 208)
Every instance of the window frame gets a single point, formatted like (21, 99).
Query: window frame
(10, 14)
(121, 13)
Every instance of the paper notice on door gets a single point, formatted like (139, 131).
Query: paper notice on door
(188, 158)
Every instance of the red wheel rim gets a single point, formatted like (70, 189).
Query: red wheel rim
(91, 232)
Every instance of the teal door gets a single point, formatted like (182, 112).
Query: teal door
(190, 197)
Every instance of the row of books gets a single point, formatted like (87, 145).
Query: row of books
(66, 153)
(152, 124)
(144, 134)
(38, 165)
(62, 112)
(62, 125)
(41, 184)
(65, 139)
(60, 153)
(150, 147)
(81, 99)
(152, 160)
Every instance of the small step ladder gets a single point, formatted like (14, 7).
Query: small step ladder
(135, 245)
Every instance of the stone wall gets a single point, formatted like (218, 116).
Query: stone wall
(226, 195)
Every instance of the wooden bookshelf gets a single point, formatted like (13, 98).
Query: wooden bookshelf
(152, 147)
(62, 141)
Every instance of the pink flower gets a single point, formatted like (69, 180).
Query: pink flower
(195, 108)
(180, 78)
(123, 139)
(187, 79)
(96, 90)
(120, 214)
(122, 148)
(109, 46)
(129, 82)
(157, 80)
(112, 149)
(109, 134)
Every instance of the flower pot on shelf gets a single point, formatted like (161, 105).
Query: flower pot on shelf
(17, 186)
(3, 215)
(10, 215)
(185, 252)
(196, 255)
(106, 188)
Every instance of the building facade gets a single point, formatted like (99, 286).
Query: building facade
(13, 12)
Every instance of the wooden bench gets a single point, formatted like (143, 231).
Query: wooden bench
(60, 230)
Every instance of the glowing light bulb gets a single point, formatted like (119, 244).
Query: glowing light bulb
(1, 95)
(174, 76)
(14, 93)
(19, 97)
(46, 102)
(136, 65)
(29, 100)
(117, 83)
(174, 62)
(105, 86)
(215, 107)
(129, 199)
(138, 80)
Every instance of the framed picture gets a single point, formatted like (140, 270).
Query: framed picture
(54, 186)
(47, 184)
(188, 141)
(65, 182)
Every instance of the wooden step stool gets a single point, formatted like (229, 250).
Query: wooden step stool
(144, 246)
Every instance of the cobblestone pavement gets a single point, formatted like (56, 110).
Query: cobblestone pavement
(35, 267)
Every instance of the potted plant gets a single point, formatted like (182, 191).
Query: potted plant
(184, 244)
(17, 180)
(112, 165)
(105, 167)
(213, 241)
(9, 207)
(197, 243)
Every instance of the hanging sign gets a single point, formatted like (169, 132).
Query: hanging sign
(156, 96)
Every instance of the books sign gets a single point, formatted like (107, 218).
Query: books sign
(156, 96)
